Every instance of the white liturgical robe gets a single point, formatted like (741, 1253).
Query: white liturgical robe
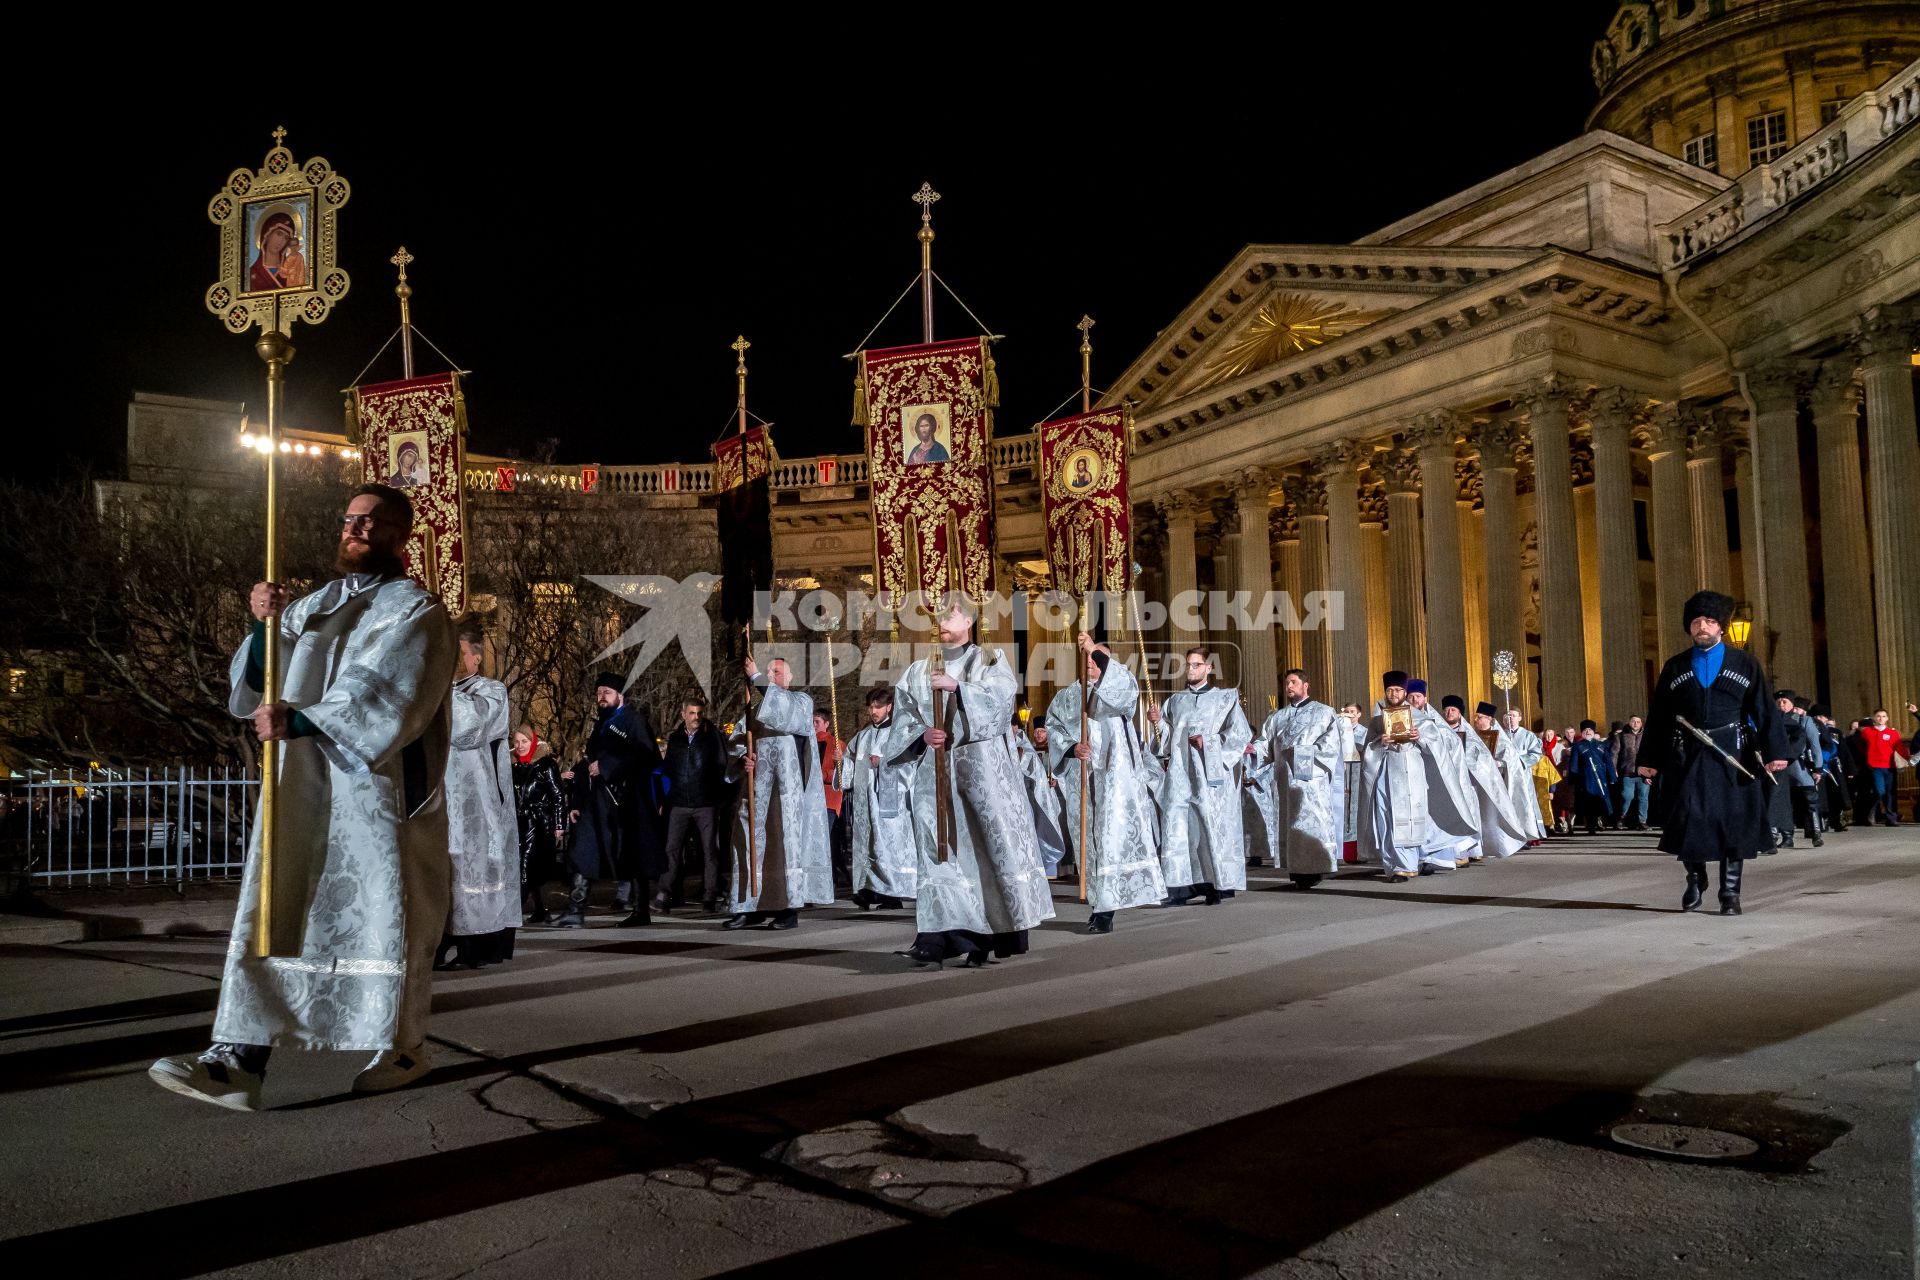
(360, 866)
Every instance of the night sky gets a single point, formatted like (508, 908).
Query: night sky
(591, 231)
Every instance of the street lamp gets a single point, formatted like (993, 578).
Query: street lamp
(1741, 626)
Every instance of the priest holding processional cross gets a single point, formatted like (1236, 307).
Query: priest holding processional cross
(980, 885)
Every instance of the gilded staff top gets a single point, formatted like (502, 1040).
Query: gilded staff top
(279, 242)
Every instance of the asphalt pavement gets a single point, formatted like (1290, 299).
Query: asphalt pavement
(1355, 1081)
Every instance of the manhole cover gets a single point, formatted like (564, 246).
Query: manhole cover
(1684, 1140)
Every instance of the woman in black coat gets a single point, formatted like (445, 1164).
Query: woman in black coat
(542, 810)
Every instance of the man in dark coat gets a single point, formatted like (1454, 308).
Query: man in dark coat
(696, 770)
(1713, 812)
(616, 835)
(1592, 777)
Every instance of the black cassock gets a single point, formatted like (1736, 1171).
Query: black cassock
(618, 835)
(1708, 811)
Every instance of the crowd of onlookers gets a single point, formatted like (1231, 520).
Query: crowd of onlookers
(1834, 779)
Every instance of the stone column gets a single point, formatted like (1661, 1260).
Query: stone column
(1226, 580)
(1853, 670)
(1773, 390)
(1338, 465)
(1706, 497)
(1586, 531)
(1747, 507)
(1885, 339)
(1563, 663)
(1404, 567)
(1316, 657)
(1473, 580)
(1181, 511)
(1373, 540)
(1500, 541)
(1259, 674)
(1622, 672)
(1670, 512)
(1432, 437)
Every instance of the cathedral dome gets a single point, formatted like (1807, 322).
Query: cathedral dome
(1728, 84)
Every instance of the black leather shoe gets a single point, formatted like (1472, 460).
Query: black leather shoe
(711, 906)
(920, 959)
(1304, 881)
(1696, 886)
(1100, 922)
(1819, 842)
(784, 922)
(637, 919)
(734, 922)
(570, 920)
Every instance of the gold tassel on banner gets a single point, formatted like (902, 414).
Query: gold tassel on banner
(990, 387)
(459, 408)
(351, 428)
(860, 398)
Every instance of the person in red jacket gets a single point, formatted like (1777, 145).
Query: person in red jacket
(1881, 741)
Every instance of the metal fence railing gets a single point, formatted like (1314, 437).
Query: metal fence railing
(100, 827)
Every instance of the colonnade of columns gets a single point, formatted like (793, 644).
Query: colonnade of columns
(1441, 589)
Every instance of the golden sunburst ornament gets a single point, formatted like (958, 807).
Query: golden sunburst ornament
(1287, 323)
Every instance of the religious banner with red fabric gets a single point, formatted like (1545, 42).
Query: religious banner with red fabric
(1083, 502)
(742, 476)
(413, 436)
(929, 421)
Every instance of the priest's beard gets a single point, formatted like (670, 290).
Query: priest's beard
(365, 558)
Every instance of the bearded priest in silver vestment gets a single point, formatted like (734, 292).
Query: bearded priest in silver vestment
(1202, 846)
(878, 790)
(1393, 805)
(1123, 866)
(991, 888)
(1043, 796)
(360, 868)
(783, 858)
(1297, 760)
(483, 835)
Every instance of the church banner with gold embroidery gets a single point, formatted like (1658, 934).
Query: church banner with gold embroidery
(1083, 502)
(412, 437)
(742, 476)
(930, 473)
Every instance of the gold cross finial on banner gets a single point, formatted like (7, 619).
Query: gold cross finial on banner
(740, 345)
(400, 260)
(279, 135)
(1086, 333)
(925, 197)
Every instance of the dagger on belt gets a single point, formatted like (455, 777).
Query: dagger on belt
(1719, 750)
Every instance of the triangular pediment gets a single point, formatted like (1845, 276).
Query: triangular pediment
(1275, 301)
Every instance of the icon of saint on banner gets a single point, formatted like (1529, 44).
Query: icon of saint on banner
(926, 433)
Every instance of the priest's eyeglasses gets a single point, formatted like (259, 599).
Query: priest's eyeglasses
(354, 524)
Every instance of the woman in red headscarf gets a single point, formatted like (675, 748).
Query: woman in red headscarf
(542, 812)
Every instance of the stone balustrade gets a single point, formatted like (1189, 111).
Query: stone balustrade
(1008, 454)
(1869, 121)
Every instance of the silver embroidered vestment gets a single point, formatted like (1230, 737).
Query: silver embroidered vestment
(884, 859)
(361, 838)
(993, 881)
(483, 836)
(1123, 864)
(1299, 755)
(1201, 822)
(790, 852)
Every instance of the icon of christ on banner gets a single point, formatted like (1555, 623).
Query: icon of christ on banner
(925, 431)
